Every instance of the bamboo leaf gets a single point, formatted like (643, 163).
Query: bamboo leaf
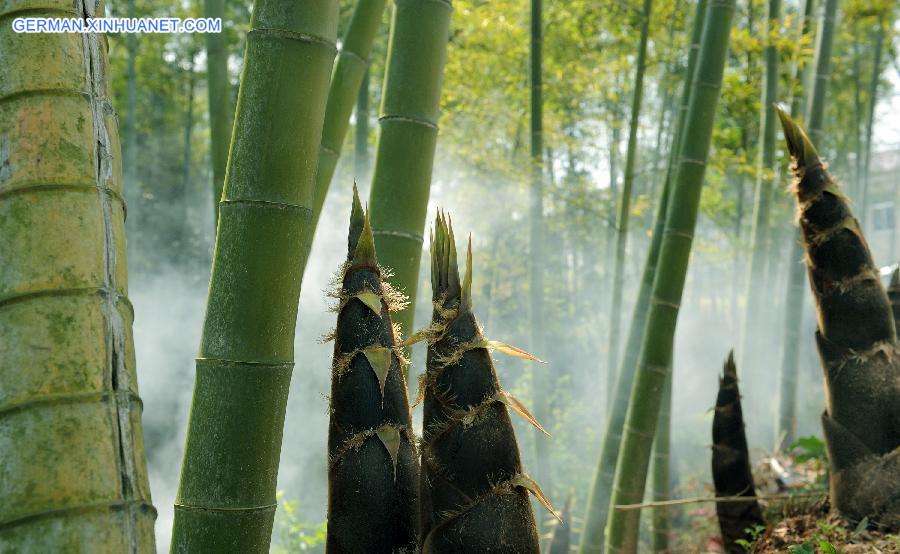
(390, 438)
(370, 299)
(531, 486)
(380, 360)
(517, 406)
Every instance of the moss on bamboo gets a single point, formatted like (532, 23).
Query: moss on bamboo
(73, 474)
(473, 488)
(732, 475)
(373, 468)
(857, 343)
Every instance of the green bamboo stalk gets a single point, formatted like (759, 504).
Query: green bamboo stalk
(226, 497)
(857, 343)
(793, 316)
(73, 475)
(870, 119)
(802, 75)
(130, 127)
(373, 470)
(752, 330)
(660, 523)
(543, 380)
(731, 470)
(218, 89)
(473, 489)
(361, 138)
(668, 284)
(410, 105)
(601, 488)
(612, 360)
(351, 66)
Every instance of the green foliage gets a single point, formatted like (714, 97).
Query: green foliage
(810, 547)
(809, 448)
(754, 534)
(294, 535)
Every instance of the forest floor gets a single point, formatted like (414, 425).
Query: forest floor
(800, 525)
(820, 532)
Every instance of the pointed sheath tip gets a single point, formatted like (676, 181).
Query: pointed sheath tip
(364, 254)
(466, 293)
(452, 263)
(357, 222)
(799, 146)
(730, 370)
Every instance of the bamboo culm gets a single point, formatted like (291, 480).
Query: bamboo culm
(226, 496)
(753, 328)
(73, 474)
(668, 284)
(350, 68)
(622, 222)
(404, 155)
(543, 379)
(373, 467)
(661, 472)
(218, 88)
(598, 500)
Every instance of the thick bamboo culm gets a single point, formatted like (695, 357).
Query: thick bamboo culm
(410, 104)
(73, 475)
(226, 496)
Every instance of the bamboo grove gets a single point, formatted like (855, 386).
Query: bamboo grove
(647, 187)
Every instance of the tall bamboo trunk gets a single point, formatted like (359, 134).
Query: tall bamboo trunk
(130, 127)
(473, 489)
(612, 360)
(731, 470)
(361, 133)
(870, 119)
(668, 284)
(73, 475)
(410, 105)
(218, 90)
(373, 468)
(543, 380)
(346, 81)
(753, 329)
(793, 315)
(857, 342)
(660, 522)
(592, 537)
(226, 497)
